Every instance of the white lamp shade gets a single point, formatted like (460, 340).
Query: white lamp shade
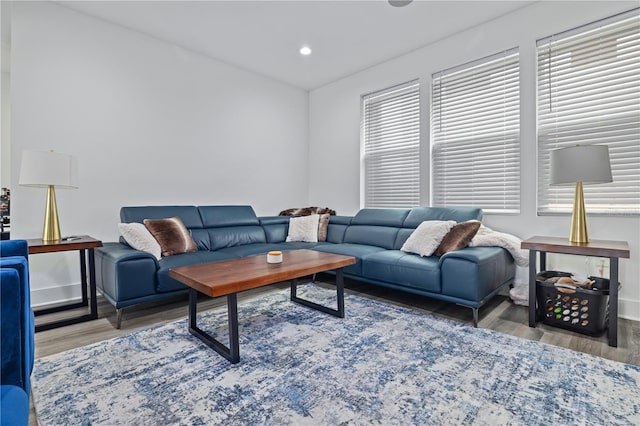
(44, 168)
(581, 163)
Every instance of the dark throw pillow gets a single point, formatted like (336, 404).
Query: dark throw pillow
(322, 227)
(172, 235)
(306, 211)
(459, 237)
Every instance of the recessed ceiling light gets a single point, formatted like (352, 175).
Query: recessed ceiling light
(399, 3)
(305, 50)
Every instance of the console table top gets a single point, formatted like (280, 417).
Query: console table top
(80, 242)
(602, 248)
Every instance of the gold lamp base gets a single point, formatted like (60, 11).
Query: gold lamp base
(579, 218)
(51, 230)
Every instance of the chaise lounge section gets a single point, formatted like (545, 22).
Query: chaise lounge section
(468, 277)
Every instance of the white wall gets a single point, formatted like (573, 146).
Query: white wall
(150, 123)
(334, 150)
(5, 56)
(5, 147)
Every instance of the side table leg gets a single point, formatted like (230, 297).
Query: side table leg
(613, 302)
(532, 288)
(92, 284)
(83, 277)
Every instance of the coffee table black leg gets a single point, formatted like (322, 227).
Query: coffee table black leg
(339, 292)
(232, 353)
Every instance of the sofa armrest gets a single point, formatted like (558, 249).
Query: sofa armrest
(14, 248)
(475, 273)
(14, 406)
(118, 252)
(11, 329)
(123, 273)
(16, 315)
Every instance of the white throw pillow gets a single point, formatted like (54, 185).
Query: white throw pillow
(138, 236)
(427, 237)
(304, 228)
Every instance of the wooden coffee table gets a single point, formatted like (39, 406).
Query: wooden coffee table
(228, 278)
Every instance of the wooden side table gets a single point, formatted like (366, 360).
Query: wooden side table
(596, 248)
(84, 244)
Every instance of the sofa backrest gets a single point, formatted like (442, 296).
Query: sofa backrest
(211, 227)
(337, 227)
(390, 228)
(275, 228)
(188, 214)
(376, 227)
(420, 214)
(228, 226)
(459, 214)
(216, 227)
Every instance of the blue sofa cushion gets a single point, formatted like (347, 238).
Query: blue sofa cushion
(235, 236)
(336, 228)
(299, 245)
(250, 249)
(401, 237)
(459, 214)
(189, 214)
(14, 406)
(263, 248)
(380, 217)
(166, 283)
(356, 250)
(275, 228)
(335, 233)
(340, 220)
(222, 216)
(400, 268)
(381, 236)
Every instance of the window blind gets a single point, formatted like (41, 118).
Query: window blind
(475, 134)
(589, 93)
(391, 141)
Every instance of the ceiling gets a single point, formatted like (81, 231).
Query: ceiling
(265, 36)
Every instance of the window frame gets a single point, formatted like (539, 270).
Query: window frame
(412, 90)
(558, 200)
(511, 194)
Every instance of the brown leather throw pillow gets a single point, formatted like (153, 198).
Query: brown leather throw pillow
(172, 235)
(323, 223)
(458, 238)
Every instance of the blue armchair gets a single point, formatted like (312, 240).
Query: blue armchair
(16, 333)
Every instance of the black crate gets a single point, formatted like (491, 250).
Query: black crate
(577, 309)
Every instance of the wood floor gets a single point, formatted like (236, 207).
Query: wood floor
(500, 315)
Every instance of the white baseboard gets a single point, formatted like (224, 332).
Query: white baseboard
(629, 309)
(59, 294)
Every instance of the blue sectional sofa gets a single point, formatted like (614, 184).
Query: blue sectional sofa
(469, 277)
(17, 333)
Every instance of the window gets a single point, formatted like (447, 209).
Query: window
(589, 93)
(391, 141)
(475, 134)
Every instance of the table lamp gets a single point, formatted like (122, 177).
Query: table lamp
(49, 169)
(580, 164)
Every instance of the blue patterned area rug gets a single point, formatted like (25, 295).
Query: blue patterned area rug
(382, 364)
